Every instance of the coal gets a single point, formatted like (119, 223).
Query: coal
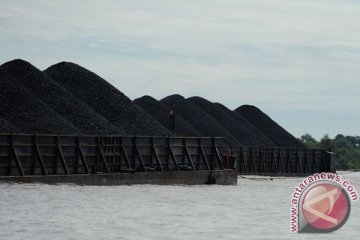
(59, 99)
(202, 121)
(161, 113)
(105, 99)
(239, 127)
(69, 99)
(7, 127)
(28, 112)
(269, 127)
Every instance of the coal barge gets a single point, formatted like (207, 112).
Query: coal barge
(113, 160)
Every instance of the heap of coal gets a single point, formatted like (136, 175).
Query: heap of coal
(270, 128)
(21, 108)
(105, 99)
(202, 121)
(161, 113)
(69, 99)
(239, 127)
(59, 99)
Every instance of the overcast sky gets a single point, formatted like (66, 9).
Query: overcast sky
(298, 61)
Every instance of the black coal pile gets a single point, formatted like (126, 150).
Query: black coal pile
(69, 99)
(105, 99)
(7, 127)
(161, 113)
(238, 126)
(270, 128)
(59, 99)
(22, 109)
(201, 120)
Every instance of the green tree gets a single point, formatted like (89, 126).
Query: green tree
(326, 142)
(340, 141)
(309, 141)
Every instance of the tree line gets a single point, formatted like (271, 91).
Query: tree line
(346, 149)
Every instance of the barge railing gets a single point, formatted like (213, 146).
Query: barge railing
(42, 154)
(282, 161)
(45, 154)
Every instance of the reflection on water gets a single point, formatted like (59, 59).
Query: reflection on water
(257, 208)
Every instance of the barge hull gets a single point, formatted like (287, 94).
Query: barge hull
(221, 177)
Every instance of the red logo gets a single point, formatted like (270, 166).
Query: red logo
(325, 207)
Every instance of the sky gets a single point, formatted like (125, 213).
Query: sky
(298, 61)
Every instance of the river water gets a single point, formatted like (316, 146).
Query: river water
(257, 208)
